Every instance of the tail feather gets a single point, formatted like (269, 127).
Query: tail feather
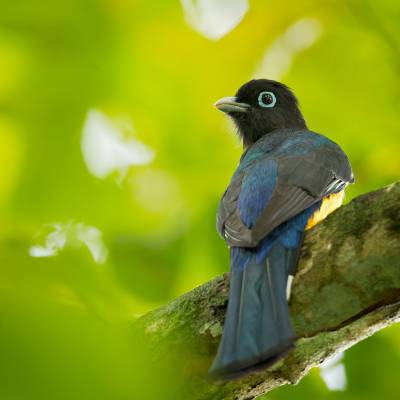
(257, 329)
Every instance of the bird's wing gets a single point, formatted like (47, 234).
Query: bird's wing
(277, 187)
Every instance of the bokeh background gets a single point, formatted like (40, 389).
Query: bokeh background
(112, 161)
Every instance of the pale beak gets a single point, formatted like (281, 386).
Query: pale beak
(230, 104)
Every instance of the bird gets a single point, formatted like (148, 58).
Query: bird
(289, 178)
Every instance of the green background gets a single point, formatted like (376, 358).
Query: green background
(63, 319)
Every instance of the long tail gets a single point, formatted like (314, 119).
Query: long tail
(257, 329)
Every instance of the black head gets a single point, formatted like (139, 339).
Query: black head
(261, 106)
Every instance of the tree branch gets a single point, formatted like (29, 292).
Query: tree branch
(347, 287)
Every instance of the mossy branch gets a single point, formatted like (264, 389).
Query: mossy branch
(347, 287)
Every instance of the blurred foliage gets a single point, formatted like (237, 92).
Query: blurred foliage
(64, 318)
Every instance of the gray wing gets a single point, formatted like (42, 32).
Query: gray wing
(301, 182)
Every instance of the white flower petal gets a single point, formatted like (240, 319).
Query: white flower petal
(333, 373)
(278, 58)
(214, 18)
(104, 149)
(72, 233)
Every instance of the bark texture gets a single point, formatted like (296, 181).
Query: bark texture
(346, 288)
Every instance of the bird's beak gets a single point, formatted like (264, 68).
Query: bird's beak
(230, 104)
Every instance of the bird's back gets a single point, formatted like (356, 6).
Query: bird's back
(299, 158)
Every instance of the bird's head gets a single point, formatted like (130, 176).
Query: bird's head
(261, 106)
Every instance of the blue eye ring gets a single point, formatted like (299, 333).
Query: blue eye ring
(266, 105)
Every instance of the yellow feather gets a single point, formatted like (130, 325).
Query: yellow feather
(329, 203)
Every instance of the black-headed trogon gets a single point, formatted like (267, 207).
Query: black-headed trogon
(288, 179)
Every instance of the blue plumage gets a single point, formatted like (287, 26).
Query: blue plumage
(257, 189)
(288, 234)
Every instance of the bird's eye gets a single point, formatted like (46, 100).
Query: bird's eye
(266, 99)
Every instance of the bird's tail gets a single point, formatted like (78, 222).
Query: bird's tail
(257, 329)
